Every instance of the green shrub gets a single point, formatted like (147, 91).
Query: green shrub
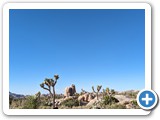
(70, 103)
(16, 103)
(10, 100)
(116, 106)
(31, 103)
(59, 96)
(135, 104)
(109, 100)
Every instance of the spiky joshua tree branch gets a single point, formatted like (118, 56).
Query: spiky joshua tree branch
(49, 85)
(98, 89)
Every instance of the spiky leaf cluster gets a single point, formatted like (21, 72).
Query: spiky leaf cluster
(49, 82)
(93, 89)
(107, 90)
(38, 94)
(56, 77)
(110, 92)
(99, 87)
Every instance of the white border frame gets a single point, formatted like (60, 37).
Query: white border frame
(8, 6)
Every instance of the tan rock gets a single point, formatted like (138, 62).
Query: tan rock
(129, 106)
(123, 99)
(70, 91)
(92, 102)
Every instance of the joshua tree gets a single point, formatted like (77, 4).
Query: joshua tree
(110, 92)
(104, 93)
(49, 84)
(107, 91)
(98, 89)
(38, 95)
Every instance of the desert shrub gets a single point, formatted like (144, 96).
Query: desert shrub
(135, 104)
(116, 106)
(31, 103)
(70, 103)
(10, 100)
(16, 103)
(44, 107)
(109, 100)
(59, 96)
(105, 102)
(132, 95)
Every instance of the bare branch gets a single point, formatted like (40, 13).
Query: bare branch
(46, 88)
(54, 83)
(93, 89)
(84, 91)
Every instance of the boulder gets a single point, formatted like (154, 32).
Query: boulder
(92, 102)
(70, 91)
(123, 99)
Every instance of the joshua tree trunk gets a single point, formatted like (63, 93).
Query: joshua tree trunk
(51, 96)
(98, 89)
(97, 95)
(54, 97)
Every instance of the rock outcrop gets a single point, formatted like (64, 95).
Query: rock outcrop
(70, 91)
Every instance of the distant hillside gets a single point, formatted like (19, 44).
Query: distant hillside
(16, 96)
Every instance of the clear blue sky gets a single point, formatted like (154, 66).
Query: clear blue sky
(85, 47)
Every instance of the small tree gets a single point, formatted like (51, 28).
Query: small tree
(98, 89)
(109, 100)
(107, 91)
(113, 91)
(49, 85)
(104, 93)
(110, 94)
(38, 96)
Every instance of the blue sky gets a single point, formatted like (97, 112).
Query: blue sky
(85, 47)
